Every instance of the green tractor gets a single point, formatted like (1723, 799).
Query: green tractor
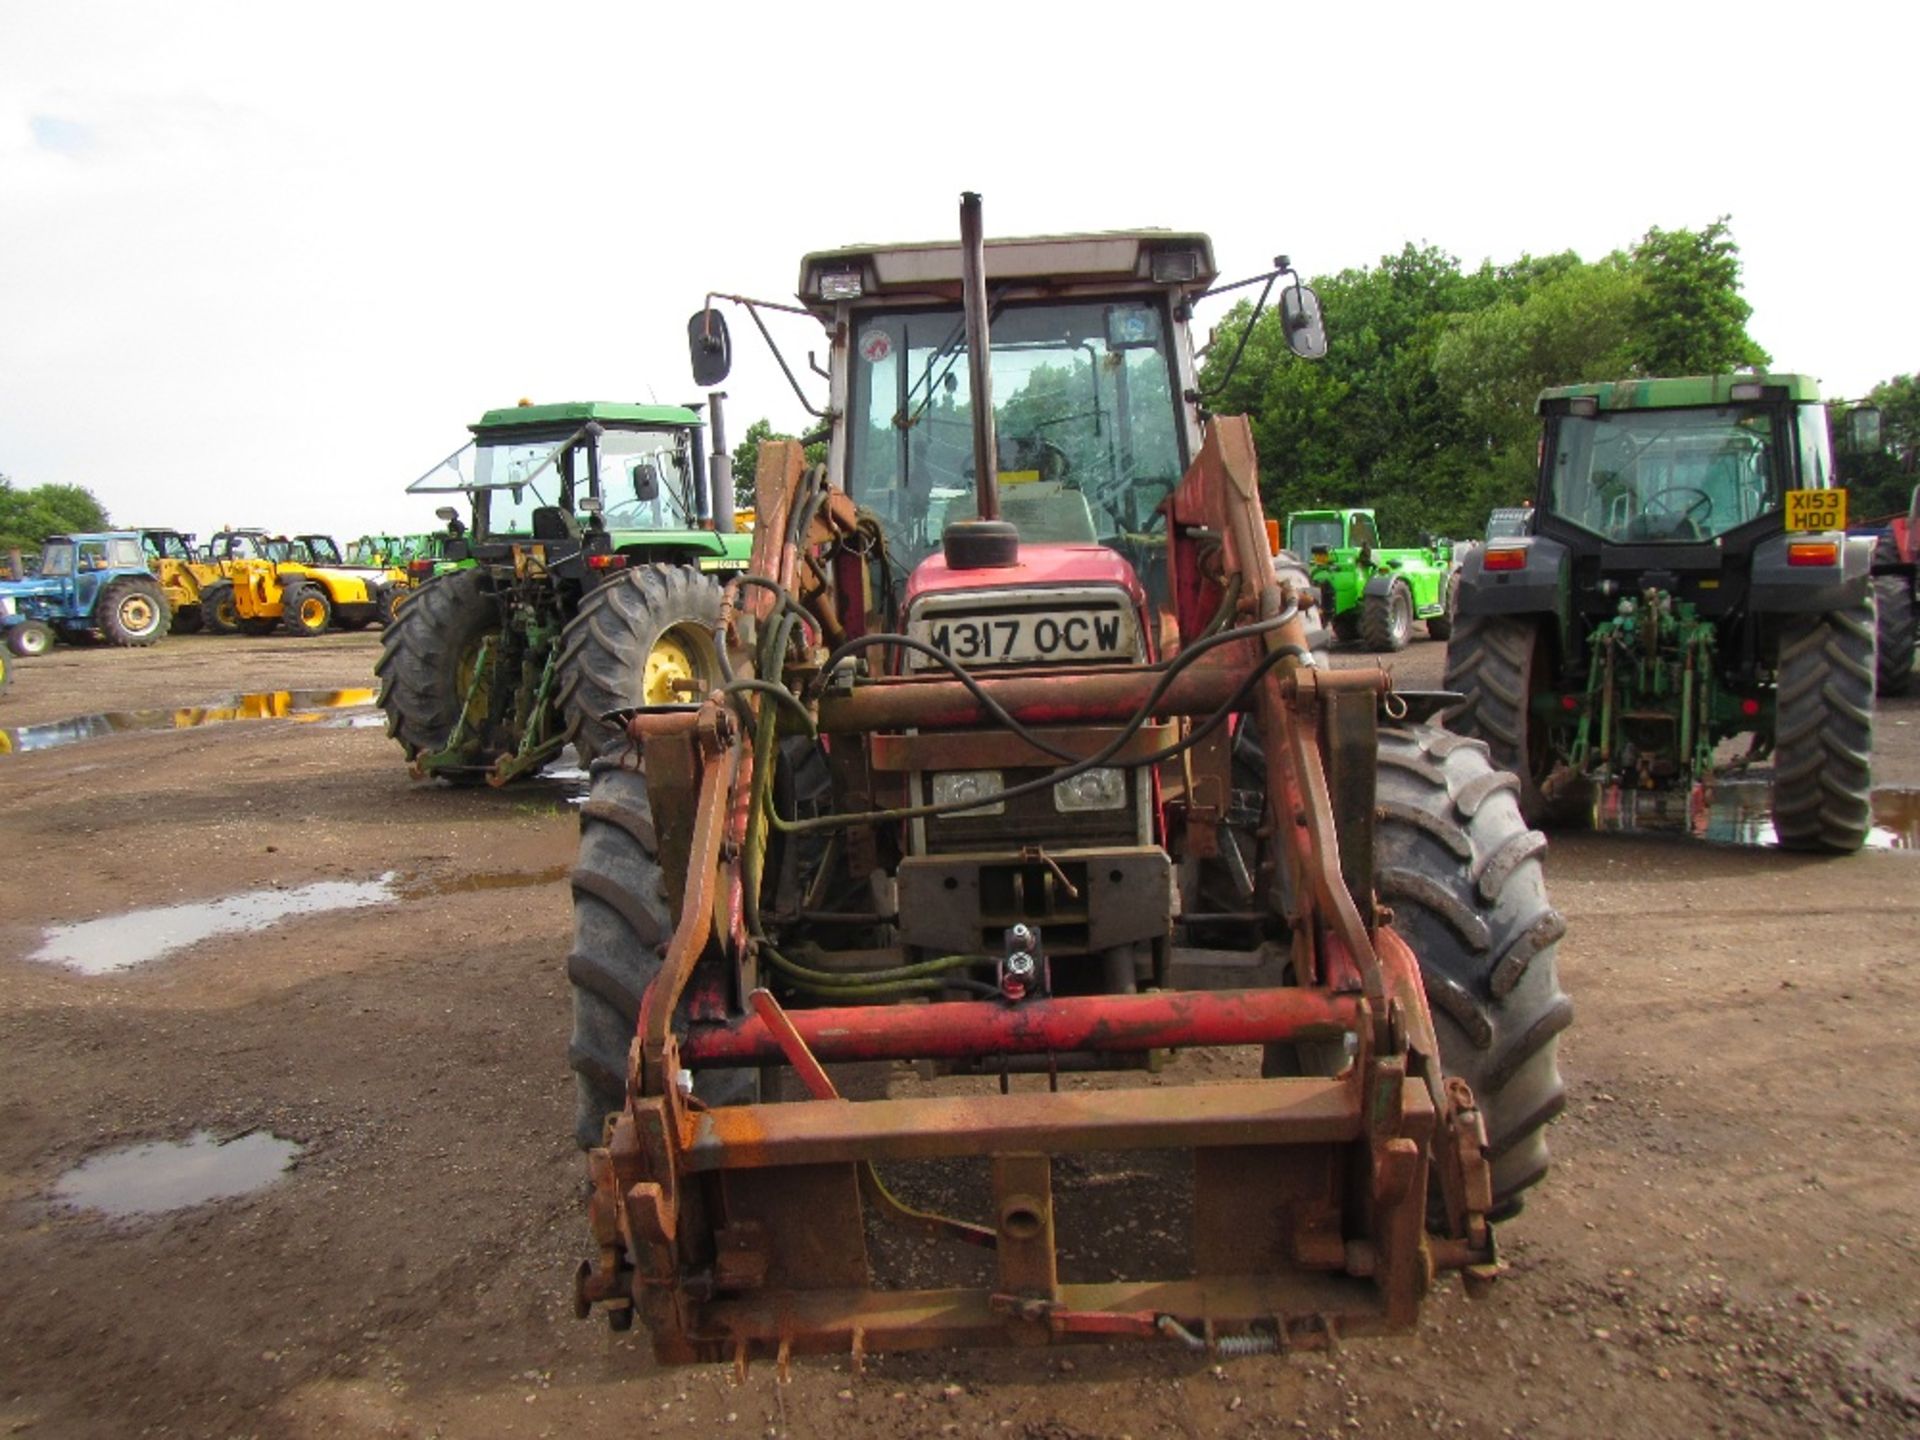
(1688, 580)
(599, 531)
(1372, 595)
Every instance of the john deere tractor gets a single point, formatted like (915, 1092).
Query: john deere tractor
(1688, 580)
(591, 522)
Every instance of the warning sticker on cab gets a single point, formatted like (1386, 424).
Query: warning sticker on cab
(1816, 509)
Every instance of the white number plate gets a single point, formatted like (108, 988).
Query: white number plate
(1026, 637)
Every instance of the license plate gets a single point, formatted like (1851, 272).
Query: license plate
(1027, 637)
(1816, 509)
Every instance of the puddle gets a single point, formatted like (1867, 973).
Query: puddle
(119, 942)
(299, 706)
(573, 780)
(165, 1175)
(139, 937)
(1739, 813)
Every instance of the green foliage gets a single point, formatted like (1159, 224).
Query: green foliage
(1423, 407)
(28, 516)
(746, 458)
(1881, 480)
(1690, 318)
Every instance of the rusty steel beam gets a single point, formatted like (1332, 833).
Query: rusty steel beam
(1109, 695)
(1004, 750)
(828, 1132)
(963, 1029)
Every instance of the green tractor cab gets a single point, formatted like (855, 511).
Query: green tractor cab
(1373, 595)
(1688, 580)
(582, 506)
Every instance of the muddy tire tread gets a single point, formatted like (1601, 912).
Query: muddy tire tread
(420, 656)
(1492, 981)
(1823, 730)
(604, 647)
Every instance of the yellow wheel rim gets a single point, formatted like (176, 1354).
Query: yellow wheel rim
(136, 613)
(312, 613)
(669, 668)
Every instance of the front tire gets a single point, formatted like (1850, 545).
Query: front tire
(305, 609)
(30, 638)
(621, 926)
(644, 637)
(1894, 621)
(1456, 861)
(1386, 621)
(1440, 627)
(133, 612)
(218, 610)
(1823, 730)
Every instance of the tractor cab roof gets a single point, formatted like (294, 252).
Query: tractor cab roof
(579, 412)
(1114, 258)
(1682, 393)
(77, 537)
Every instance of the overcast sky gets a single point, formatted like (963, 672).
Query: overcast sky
(261, 265)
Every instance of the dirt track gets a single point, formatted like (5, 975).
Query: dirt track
(1730, 1242)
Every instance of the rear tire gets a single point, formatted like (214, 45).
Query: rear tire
(186, 619)
(1461, 870)
(422, 655)
(1823, 731)
(1386, 621)
(634, 636)
(621, 926)
(133, 612)
(1492, 660)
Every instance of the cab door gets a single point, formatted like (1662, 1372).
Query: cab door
(89, 572)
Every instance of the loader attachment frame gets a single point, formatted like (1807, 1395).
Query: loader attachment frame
(1323, 1205)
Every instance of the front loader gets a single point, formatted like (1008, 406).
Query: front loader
(1019, 734)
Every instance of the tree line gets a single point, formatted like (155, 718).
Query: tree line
(28, 516)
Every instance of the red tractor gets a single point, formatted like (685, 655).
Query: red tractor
(1021, 739)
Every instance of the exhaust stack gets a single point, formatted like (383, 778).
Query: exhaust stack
(988, 543)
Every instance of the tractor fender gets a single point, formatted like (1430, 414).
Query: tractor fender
(1544, 585)
(1780, 588)
(1380, 583)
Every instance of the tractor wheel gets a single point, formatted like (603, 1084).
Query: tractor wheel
(1823, 730)
(1440, 627)
(621, 925)
(389, 602)
(1493, 661)
(642, 638)
(1346, 627)
(218, 613)
(30, 637)
(305, 609)
(1386, 621)
(133, 612)
(427, 659)
(1894, 620)
(187, 619)
(1461, 870)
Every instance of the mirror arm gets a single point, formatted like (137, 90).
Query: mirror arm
(753, 309)
(814, 365)
(1197, 395)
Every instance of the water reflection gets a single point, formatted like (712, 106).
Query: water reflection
(299, 706)
(165, 1175)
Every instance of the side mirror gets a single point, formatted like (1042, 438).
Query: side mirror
(646, 481)
(710, 347)
(447, 513)
(1863, 427)
(1300, 322)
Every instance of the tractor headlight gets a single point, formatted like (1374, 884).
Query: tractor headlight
(1101, 788)
(967, 787)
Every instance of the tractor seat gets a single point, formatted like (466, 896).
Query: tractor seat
(550, 522)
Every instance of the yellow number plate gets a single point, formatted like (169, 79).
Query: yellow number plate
(1816, 509)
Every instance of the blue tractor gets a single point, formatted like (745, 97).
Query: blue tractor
(87, 585)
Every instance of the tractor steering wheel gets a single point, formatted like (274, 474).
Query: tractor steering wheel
(1660, 503)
